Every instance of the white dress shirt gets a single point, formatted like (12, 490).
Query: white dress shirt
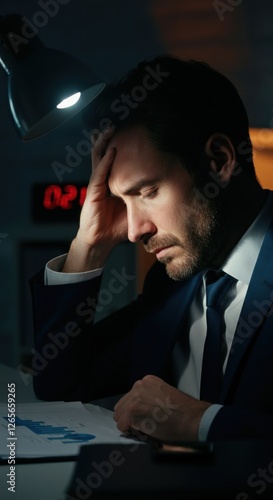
(188, 352)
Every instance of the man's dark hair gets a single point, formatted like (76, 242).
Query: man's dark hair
(181, 103)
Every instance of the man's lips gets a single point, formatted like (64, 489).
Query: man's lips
(160, 252)
(160, 247)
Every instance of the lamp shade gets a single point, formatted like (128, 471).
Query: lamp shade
(40, 79)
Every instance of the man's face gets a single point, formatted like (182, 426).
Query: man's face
(164, 208)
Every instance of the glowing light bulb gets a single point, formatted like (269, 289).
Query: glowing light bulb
(69, 101)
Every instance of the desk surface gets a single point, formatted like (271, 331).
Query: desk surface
(246, 468)
(43, 481)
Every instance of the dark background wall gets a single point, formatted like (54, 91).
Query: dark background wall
(111, 36)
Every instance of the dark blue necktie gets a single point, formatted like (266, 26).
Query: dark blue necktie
(217, 287)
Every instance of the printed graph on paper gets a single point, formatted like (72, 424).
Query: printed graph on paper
(55, 429)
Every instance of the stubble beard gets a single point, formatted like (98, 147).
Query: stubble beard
(203, 240)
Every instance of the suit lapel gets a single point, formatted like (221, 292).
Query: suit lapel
(258, 301)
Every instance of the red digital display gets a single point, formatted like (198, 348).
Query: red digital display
(57, 202)
(56, 196)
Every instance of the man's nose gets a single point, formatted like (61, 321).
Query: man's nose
(139, 224)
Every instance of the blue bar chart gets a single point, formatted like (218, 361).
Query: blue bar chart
(49, 429)
(63, 434)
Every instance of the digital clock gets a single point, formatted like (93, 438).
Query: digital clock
(57, 202)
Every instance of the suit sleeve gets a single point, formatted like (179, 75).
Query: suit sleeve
(237, 423)
(73, 358)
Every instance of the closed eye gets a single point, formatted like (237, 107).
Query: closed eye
(150, 194)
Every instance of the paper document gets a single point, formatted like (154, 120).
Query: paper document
(55, 429)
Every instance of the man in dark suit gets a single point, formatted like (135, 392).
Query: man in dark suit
(172, 169)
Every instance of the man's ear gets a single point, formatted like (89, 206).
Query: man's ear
(221, 153)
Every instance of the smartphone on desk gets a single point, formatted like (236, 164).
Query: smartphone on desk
(182, 451)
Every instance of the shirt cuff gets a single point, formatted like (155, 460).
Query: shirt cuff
(54, 276)
(207, 420)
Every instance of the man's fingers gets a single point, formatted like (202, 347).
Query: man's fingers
(100, 174)
(100, 145)
(127, 418)
(124, 411)
(120, 407)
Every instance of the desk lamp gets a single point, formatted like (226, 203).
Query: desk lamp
(46, 87)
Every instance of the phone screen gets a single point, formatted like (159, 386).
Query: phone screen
(182, 451)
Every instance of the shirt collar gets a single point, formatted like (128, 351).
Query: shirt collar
(242, 259)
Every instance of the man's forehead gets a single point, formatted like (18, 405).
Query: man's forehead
(133, 151)
(134, 163)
